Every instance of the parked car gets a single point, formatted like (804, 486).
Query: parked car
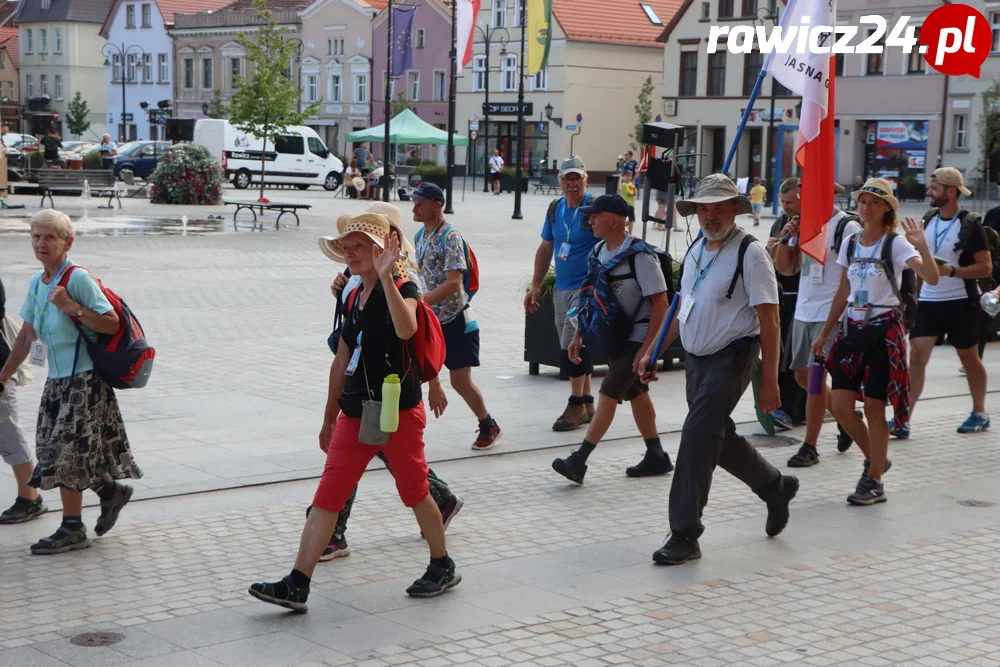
(300, 157)
(140, 157)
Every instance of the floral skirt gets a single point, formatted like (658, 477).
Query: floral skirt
(80, 441)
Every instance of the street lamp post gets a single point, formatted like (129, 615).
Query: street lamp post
(123, 52)
(453, 76)
(520, 120)
(769, 13)
(488, 38)
(299, 50)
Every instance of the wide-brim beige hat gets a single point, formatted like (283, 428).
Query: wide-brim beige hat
(359, 183)
(881, 188)
(713, 189)
(390, 212)
(371, 225)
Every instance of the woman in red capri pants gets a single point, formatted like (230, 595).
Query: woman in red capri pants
(376, 332)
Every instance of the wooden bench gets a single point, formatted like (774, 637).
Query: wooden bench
(550, 181)
(254, 206)
(102, 183)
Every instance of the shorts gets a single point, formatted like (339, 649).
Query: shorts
(631, 213)
(14, 447)
(960, 319)
(564, 301)
(757, 208)
(495, 176)
(876, 360)
(462, 347)
(660, 196)
(621, 384)
(347, 458)
(800, 356)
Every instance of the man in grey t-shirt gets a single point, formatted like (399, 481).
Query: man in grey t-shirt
(723, 326)
(638, 286)
(362, 156)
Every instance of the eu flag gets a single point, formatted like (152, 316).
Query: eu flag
(402, 45)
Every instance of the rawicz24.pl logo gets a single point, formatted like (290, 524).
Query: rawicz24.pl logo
(954, 39)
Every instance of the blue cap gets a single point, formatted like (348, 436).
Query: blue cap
(607, 203)
(428, 191)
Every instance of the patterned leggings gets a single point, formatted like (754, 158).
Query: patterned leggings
(438, 489)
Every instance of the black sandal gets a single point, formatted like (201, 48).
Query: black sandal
(111, 508)
(282, 593)
(61, 541)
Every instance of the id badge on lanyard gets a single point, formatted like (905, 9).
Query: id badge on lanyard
(687, 303)
(39, 353)
(352, 365)
(39, 350)
(816, 272)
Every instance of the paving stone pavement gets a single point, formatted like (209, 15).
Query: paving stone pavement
(553, 573)
(240, 321)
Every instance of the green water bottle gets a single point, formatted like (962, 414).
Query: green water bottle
(389, 419)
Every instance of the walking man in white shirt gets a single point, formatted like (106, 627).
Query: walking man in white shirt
(496, 166)
(817, 285)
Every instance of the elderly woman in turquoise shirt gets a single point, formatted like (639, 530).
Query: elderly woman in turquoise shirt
(80, 441)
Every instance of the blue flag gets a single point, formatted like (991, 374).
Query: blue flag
(402, 44)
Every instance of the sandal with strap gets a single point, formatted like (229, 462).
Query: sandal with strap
(112, 507)
(436, 580)
(61, 541)
(283, 593)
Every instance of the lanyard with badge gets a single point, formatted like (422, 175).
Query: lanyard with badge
(39, 349)
(939, 237)
(866, 267)
(687, 303)
(565, 248)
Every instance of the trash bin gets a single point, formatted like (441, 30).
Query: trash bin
(611, 185)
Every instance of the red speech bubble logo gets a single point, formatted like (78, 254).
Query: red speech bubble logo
(956, 39)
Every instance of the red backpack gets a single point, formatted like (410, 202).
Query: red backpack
(123, 359)
(428, 346)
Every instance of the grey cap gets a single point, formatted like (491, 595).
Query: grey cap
(573, 165)
(713, 189)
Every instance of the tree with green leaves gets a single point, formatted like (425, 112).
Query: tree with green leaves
(401, 103)
(643, 112)
(266, 100)
(76, 115)
(216, 107)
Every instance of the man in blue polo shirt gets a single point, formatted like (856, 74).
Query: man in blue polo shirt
(567, 236)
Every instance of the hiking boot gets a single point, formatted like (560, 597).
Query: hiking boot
(868, 466)
(806, 456)
(574, 415)
(868, 492)
(777, 511)
(588, 405)
(974, 424)
(61, 541)
(488, 436)
(112, 507)
(436, 580)
(677, 550)
(337, 548)
(844, 441)
(451, 510)
(23, 510)
(283, 593)
(571, 467)
(901, 432)
(653, 463)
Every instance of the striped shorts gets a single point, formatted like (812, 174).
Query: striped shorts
(14, 447)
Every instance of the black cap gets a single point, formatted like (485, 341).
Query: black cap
(607, 203)
(427, 190)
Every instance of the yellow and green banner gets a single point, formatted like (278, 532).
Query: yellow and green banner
(539, 34)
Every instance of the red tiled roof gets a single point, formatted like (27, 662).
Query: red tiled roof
(587, 20)
(244, 5)
(170, 7)
(8, 40)
(376, 4)
(7, 11)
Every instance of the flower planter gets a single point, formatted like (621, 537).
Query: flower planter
(507, 184)
(541, 344)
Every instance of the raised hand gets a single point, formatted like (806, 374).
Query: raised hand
(914, 232)
(385, 259)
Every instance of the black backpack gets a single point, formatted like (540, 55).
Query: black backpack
(838, 232)
(968, 221)
(744, 244)
(906, 293)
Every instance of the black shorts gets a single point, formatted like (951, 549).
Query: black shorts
(631, 213)
(960, 319)
(876, 360)
(621, 383)
(462, 348)
(495, 177)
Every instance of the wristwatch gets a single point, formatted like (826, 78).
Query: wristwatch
(954, 270)
(79, 313)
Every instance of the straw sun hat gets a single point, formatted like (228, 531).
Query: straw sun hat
(713, 189)
(372, 225)
(359, 183)
(881, 188)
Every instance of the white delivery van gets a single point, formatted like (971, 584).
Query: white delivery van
(299, 157)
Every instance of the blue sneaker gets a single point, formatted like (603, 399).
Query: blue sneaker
(901, 432)
(974, 424)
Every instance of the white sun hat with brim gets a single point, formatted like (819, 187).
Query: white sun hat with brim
(359, 183)
(713, 189)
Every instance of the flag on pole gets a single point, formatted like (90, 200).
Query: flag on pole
(811, 75)
(402, 44)
(466, 13)
(539, 34)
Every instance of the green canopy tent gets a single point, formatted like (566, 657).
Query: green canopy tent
(406, 128)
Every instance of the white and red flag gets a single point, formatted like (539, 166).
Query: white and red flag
(466, 13)
(811, 75)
